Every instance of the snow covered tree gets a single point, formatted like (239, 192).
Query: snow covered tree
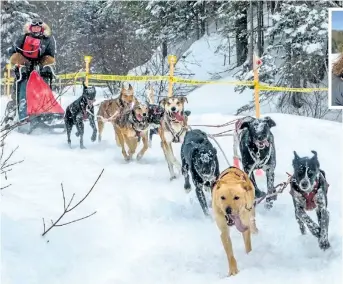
(59, 16)
(14, 14)
(296, 57)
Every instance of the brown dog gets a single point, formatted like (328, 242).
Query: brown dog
(233, 198)
(133, 126)
(112, 110)
(173, 129)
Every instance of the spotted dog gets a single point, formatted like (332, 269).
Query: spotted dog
(256, 144)
(200, 158)
(79, 110)
(309, 190)
(173, 129)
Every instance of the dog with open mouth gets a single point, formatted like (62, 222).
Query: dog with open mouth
(78, 111)
(233, 197)
(173, 129)
(309, 190)
(113, 110)
(255, 141)
(131, 128)
(199, 157)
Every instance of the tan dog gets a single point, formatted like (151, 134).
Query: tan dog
(173, 129)
(133, 126)
(112, 110)
(233, 198)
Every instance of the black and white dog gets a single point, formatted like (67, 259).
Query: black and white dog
(79, 110)
(309, 190)
(257, 148)
(200, 158)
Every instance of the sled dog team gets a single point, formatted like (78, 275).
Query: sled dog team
(233, 191)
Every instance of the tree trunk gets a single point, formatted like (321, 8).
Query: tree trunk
(251, 44)
(203, 18)
(260, 43)
(241, 33)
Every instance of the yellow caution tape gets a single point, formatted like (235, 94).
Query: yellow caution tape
(199, 82)
(102, 77)
(299, 90)
(71, 76)
(126, 78)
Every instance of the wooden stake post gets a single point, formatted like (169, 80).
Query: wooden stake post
(8, 79)
(87, 61)
(172, 62)
(256, 64)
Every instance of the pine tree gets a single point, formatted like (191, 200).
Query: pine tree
(14, 15)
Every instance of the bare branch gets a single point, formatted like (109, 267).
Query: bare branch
(60, 225)
(64, 199)
(87, 193)
(66, 209)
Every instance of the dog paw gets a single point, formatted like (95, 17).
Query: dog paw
(272, 198)
(172, 177)
(188, 190)
(82, 147)
(324, 244)
(268, 205)
(139, 156)
(127, 158)
(233, 271)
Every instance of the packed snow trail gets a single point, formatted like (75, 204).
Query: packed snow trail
(146, 228)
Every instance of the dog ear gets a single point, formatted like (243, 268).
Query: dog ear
(84, 85)
(218, 184)
(314, 154)
(315, 158)
(130, 87)
(296, 156)
(271, 123)
(183, 99)
(244, 125)
(163, 102)
(249, 197)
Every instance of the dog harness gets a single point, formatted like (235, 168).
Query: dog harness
(176, 136)
(309, 197)
(142, 125)
(257, 159)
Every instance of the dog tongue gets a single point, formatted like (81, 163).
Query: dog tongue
(238, 223)
(178, 116)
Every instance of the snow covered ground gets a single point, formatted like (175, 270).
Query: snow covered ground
(146, 228)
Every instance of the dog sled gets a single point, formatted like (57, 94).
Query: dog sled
(35, 106)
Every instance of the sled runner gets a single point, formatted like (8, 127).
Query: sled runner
(36, 106)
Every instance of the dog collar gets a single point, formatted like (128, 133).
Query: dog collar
(309, 197)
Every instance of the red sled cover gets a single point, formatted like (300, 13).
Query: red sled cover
(39, 97)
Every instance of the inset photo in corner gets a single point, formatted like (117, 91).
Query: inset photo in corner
(335, 74)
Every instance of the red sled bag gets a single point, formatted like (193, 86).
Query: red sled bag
(31, 47)
(40, 99)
